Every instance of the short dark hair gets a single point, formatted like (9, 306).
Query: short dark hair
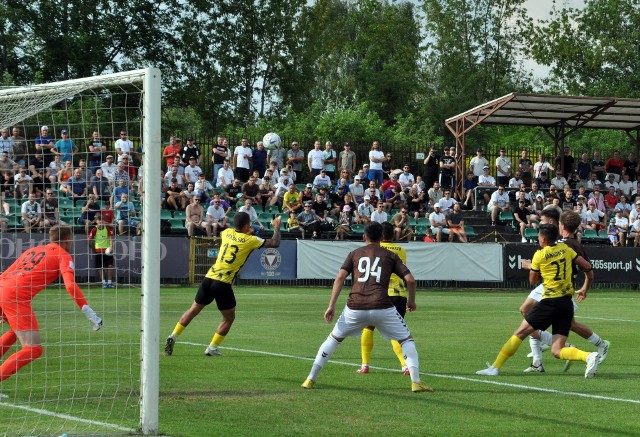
(240, 220)
(551, 213)
(60, 233)
(372, 231)
(570, 221)
(387, 231)
(548, 232)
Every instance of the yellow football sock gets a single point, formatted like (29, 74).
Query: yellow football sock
(178, 329)
(366, 345)
(573, 354)
(397, 348)
(507, 351)
(216, 340)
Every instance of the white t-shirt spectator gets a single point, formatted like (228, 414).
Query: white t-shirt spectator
(436, 217)
(375, 154)
(316, 157)
(125, 146)
(31, 210)
(108, 171)
(540, 167)
(477, 164)
(253, 215)
(241, 160)
(594, 216)
(487, 180)
(225, 176)
(217, 213)
(559, 182)
(365, 210)
(446, 205)
(500, 199)
(192, 173)
(503, 163)
(406, 180)
(515, 183)
(202, 186)
(379, 216)
(626, 187)
(320, 181)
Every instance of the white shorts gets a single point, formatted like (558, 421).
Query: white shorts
(536, 294)
(388, 321)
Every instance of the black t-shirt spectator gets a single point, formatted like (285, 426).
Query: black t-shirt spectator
(521, 212)
(233, 192)
(218, 159)
(321, 208)
(188, 152)
(92, 210)
(630, 169)
(598, 163)
(431, 167)
(447, 160)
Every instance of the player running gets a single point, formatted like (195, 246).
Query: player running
(21, 282)
(552, 263)
(398, 293)
(369, 304)
(235, 247)
(568, 222)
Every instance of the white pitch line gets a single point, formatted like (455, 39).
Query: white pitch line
(66, 417)
(436, 375)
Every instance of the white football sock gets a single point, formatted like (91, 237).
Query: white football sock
(324, 354)
(546, 338)
(595, 340)
(411, 357)
(536, 350)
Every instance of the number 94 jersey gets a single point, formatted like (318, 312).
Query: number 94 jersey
(371, 267)
(554, 264)
(235, 248)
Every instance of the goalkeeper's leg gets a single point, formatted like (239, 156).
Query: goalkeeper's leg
(6, 341)
(31, 350)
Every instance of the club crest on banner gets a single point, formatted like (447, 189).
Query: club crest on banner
(270, 259)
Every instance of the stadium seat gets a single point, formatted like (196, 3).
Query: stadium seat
(357, 229)
(471, 233)
(65, 204)
(506, 217)
(258, 208)
(424, 221)
(180, 214)
(272, 209)
(301, 187)
(265, 217)
(421, 231)
(177, 225)
(165, 214)
(531, 234)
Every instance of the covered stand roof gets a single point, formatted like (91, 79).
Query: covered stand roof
(550, 111)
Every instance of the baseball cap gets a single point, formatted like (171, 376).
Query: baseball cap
(521, 200)
(486, 167)
(617, 210)
(341, 187)
(309, 186)
(540, 196)
(64, 131)
(357, 178)
(637, 202)
(369, 198)
(437, 205)
(45, 127)
(323, 171)
(581, 197)
(308, 203)
(365, 165)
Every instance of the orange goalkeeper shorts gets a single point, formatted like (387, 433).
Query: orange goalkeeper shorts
(19, 315)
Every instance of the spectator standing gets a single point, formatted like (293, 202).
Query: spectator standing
(448, 168)
(598, 166)
(124, 146)
(172, 150)
(259, 158)
(220, 154)
(541, 166)
(525, 166)
(584, 167)
(6, 143)
(376, 159)
(630, 166)
(503, 168)
(100, 239)
(565, 162)
(277, 155)
(21, 150)
(431, 165)
(295, 158)
(190, 149)
(44, 145)
(329, 157)
(615, 165)
(315, 161)
(347, 159)
(242, 156)
(405, 178)
(477, 164)
(96, 147)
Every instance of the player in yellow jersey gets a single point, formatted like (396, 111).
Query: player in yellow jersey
(398, 293)
(235, 247)
(552, 264)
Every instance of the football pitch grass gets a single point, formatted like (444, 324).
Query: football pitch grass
(254, 387)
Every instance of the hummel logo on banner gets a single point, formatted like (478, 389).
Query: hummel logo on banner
(638, 264)
(512, 261)
(324, 355)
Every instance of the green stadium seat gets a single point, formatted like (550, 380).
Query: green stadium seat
(506, 217)
(180, 214)
(177, 224)
(265, 217)
(165, 214)
(421, 231)
(357, 229)
(471, 233)
(424, 221)
(531, 234)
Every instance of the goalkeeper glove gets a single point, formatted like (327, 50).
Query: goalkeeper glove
(92, 317)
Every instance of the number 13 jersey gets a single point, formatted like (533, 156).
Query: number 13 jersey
(371, 267)
(235, 248)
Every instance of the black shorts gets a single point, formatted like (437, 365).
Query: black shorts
(103, 260)
(556, 312)
(221, 292)
(400, 303)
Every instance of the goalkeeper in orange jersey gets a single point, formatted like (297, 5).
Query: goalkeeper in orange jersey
(21, 282)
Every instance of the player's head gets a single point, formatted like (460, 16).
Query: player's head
(570, 221)
(550, 216)
(547, 234)
(62, 235)
(387, 231)
(372, 232)
(99, 221)
(241, 221)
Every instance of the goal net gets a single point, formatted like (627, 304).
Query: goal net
(56, 135)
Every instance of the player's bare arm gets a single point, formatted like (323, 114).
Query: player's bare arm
(586, 267)
(335, 293)
(411, 289)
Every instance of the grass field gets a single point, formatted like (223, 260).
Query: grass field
(254, 388)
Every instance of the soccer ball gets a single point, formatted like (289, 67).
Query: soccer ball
(271, 140)
(107, 251)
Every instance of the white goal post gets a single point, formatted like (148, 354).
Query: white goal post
(21, 106)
